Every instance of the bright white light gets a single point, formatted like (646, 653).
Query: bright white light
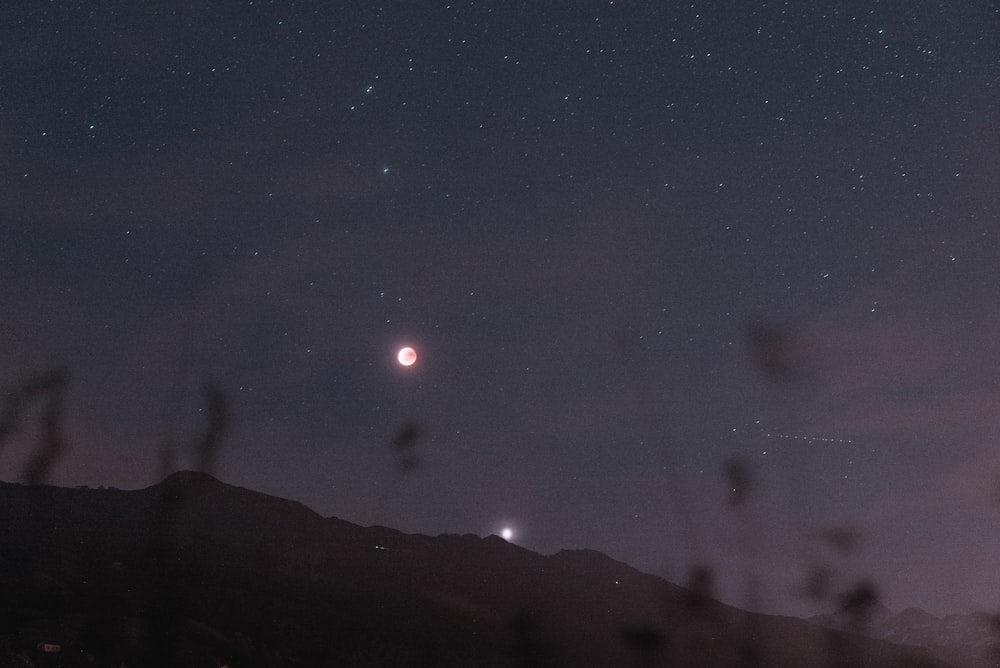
(407, 356)
(507, 533)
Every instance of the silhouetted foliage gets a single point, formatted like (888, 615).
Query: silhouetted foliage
(775, 352)
(206, 446)
(217, 407)
(857, 603)
(49, 445)
(700, 588)
(405, 441)
(407, 436)
(739, 482)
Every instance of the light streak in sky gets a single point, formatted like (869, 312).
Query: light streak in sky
(809, 439)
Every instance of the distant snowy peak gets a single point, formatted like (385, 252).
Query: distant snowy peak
(971, 640)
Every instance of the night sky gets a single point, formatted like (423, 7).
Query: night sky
(648, 254)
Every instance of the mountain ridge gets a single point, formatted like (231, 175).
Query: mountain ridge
(205, 572)
(969, 640)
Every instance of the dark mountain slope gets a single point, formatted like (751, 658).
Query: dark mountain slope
(195, 572)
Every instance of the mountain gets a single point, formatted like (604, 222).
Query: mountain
(194, 572)
(968, 640)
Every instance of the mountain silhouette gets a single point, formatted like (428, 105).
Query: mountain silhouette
(195, 572)
(967, 640)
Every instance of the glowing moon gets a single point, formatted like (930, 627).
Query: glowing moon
(507, 533)
(407, 356)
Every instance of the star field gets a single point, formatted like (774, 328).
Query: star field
(642, 252)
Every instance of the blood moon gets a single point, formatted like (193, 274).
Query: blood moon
(407, 356)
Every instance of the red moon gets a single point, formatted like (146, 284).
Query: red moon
(407, 356)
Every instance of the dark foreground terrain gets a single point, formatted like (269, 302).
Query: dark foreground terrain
(193, 572)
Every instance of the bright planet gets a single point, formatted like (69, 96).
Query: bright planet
(407, 356)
